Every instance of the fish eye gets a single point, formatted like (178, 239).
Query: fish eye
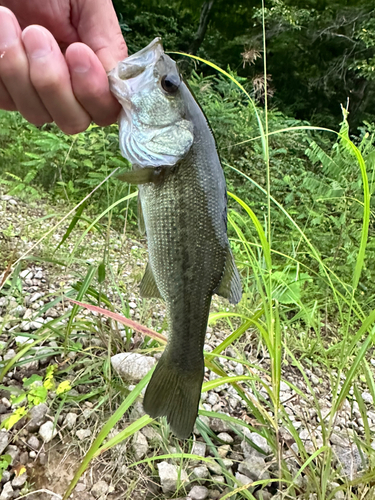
(170, 83)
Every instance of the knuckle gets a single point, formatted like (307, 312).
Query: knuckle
(74, 128)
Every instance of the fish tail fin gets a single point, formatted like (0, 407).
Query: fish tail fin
(174, 393)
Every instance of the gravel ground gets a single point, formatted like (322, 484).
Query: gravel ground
(47, 443)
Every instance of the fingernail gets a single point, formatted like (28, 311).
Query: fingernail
(8, 33)
(36, 41)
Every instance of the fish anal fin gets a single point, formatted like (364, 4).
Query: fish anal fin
(148, 287)
(174, 394)
(230, 285)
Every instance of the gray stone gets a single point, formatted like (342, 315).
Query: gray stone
(224, 436)
(47, 431)
(219, 425)
(20, 480)
(367, 398)
(214, 467)
(140, 446)
(4, 440)
(83, 434)
(198, 493)
(255, 468)
(100, 488)
(169, 475)
(242, 479)
(132, 366)
(9, 354)
(70, 420)
(23, 340)
(349, 459)
(199, 448)
(13, 451)
(33, 442)
(258, 440)
(34, 297)
(7, 492)
(200, 472)
(37, 416)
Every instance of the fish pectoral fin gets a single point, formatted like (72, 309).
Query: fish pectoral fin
(141, 221)
(144, 175)
(138, 176)
(148, 287)
(230, 285)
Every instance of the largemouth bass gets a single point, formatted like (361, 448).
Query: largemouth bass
(183, 207)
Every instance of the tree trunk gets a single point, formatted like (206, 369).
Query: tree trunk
(202, 28)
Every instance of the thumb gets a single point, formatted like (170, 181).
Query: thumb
(98, 28)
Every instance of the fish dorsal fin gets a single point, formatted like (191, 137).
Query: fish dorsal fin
(141, 221)
(148, 287)
(230, 285)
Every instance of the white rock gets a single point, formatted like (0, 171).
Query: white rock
(47, 431)
(70, 420)
(23, 340)
(34, 442)
(99, 489)
(169, 475)
(140, 446)
(367, 398)
(255, 468)
(199, 448)
(83, 434)
(7, 492)
(224, 436)
(34, 297)
(19, 481)
(284, 386)
(4, 440)
(9, 354)
(200, 472)
(132, 366)
(258, 440)
(198, 493)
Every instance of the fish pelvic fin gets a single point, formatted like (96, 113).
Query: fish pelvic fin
(230, 285)
(174, 393)
(148, 287)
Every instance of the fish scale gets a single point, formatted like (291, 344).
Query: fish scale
(183, 201)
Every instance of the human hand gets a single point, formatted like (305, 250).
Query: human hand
(45, 85)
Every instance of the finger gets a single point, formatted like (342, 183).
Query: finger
(90, 84)
(49, 74)
(98, 27)
(6, 102)
(14, 72)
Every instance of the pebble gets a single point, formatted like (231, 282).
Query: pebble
(139, 445)
(83, 434)
(13, 451)
(200, 472)
(9, 354)
(47, 431)
(198, 493)
(4, 440)
(7, 492)
(100, 488)
(169, 475)
(199, 448)
(258, 440)
(33, 442)
(224, 436)
(367, 398)
(70, 420)
(37, 416)
(132, 366)
(19, 481)
(255, 468)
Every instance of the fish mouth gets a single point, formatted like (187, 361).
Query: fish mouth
(122, 78)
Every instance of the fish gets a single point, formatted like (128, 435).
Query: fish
(182, 207)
